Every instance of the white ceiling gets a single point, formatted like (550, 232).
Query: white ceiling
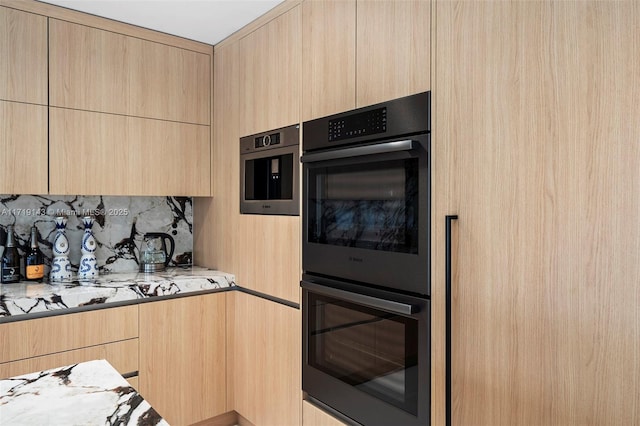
(208, 21)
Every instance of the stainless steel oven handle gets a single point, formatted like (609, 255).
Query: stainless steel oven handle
(381, 148)
(362, 299)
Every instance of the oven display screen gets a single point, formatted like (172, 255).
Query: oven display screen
(369, 205)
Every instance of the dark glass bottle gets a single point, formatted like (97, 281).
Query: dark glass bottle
(34, 261)
(10, 265)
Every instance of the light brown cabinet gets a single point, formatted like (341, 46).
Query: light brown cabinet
(536, 136)
(128, 116)
(44, 343)
(106, 154)
(97, 70)
(122, 355)
(182, 357)
(314, 416)
(119, 102)
(270, 74)
(23, 49)
(393, 49)
(242, 240)
(23, 141)
(264, 353)
(358, 53)
(23, 100)
(328, 57)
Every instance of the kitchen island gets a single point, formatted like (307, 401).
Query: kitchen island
(88, 393)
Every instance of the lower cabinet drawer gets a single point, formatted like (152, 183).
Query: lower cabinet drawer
(122, 355)
(43, 336)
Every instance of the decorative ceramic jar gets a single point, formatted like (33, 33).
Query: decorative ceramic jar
(60, 265)
(88, 268)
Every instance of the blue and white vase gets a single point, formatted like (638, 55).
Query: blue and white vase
(60, 265)
(88, 268)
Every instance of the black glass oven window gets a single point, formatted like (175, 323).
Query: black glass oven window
(368, 205)
(269, 178)
(369, 349)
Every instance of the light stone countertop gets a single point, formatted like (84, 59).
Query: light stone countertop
(27, 300)
(89, 393)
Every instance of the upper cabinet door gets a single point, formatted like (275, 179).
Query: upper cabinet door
(23, 143)
(393, 49)
(106, 154)
(23, 49)
(328, 57)
(270, 75)
(101, 71)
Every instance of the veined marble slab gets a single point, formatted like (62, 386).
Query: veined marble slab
(27, 298)
(120, 224)
(89, 393)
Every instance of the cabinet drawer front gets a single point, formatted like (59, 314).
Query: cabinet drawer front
(122, 355)
(97, 70)
(43, 336)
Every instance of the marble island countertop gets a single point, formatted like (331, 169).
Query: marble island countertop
(89, 393)
(27, 300)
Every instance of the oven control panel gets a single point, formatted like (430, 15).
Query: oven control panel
(359, 124)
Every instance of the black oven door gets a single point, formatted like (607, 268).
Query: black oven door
(367, 355)
(366, 213)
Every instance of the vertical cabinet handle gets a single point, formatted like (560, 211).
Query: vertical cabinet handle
(447, 271)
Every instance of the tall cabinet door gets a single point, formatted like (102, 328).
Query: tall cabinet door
(23, 142)
(536, 150)
(23, 100)
(267, 256)
(328, 57)
(393, 49)
(264, 360)
(182, 357)
(270, 75)
(23, 49)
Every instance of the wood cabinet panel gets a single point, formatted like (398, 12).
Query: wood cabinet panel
(69, 15)
(123, 356)
(23, 138)
(328, 57)
(182, 357)
(536, 129)
(94, 153)
(270, 75)
(393, 49)
(314, 416)
(23, 49)
(263, 355)
(97, 70)
(242, 240)
(220, 252)
(43, 336)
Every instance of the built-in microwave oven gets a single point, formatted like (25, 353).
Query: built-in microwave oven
(270, 172)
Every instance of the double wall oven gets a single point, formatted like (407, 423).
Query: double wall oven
(366, 262)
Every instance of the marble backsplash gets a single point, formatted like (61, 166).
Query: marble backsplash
(120, 223)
